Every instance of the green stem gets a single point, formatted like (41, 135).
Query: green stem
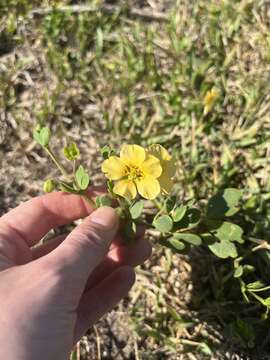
(56, 162)
(74, 167)
(157, 204)
(261, 289)
(257, 297)
(124, 207)
(89, 200)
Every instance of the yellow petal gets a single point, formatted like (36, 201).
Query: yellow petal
(125, 188)
(160, 152)
(166, 183)
(134, 154)
(169, 168)
(151, 166)
(148, 187)
(210, 99)
(166, 160)
(113, 168)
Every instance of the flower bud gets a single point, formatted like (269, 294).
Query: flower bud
(49, 186)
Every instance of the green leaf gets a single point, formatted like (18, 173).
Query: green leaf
(190, 219)
(42, 136)
(204, 348)
(106, 152)
(267, 302)
(128, 231)
(103, 200)
(248, 268)
(170, 203)
(223, 249)
(179, 213)
(225, 230)
(163, 223)
(99, 40)
(255, 285)
(244, 331)
(194, 216)
(177, 317)
(176, 244)
(110, 186)
(67, 187)
(136, 209)
(189, 238)
(238, 272)
(49, 186)
(71, 151)
(82, 178)
(224, 203)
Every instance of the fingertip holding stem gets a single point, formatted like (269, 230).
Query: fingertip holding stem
(87, 245)
(106, 217)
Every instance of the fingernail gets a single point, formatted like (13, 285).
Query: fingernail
(105, 217)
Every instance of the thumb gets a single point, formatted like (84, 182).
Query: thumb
(86, 245)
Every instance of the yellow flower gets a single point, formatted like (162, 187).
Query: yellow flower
(210, 99)
(168, 166)
(134, 171)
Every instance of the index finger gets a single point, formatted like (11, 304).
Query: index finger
(32, 220)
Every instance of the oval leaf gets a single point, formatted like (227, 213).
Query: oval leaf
(225, 230)
(42, 136)
(238, 272)
(223, 249)
(224, 203)
(176, 244)
(179, 213)
(103, 200)
(190, 219)
(82, 178)
(163, 223)
(189, 238)
(136, 209)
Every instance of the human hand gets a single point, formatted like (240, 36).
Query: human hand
(51, 294)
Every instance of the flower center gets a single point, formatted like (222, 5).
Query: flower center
(133, 172)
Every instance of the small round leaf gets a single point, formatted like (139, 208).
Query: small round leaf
(238, 272)
(103, 200)
(136, 209)
(223, 249)
(179, 213)
(176, 244)
(163, 223)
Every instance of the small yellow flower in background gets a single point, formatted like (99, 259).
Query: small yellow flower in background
(168, 166)
(210, 99)
(135, 171)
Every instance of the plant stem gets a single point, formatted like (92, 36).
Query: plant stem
(89, 200)
(157, 204)
(124, 207)
(257, 297)
(261, 289)
(74, 167)
(56, 162)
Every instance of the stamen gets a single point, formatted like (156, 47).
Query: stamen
(133, 172)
